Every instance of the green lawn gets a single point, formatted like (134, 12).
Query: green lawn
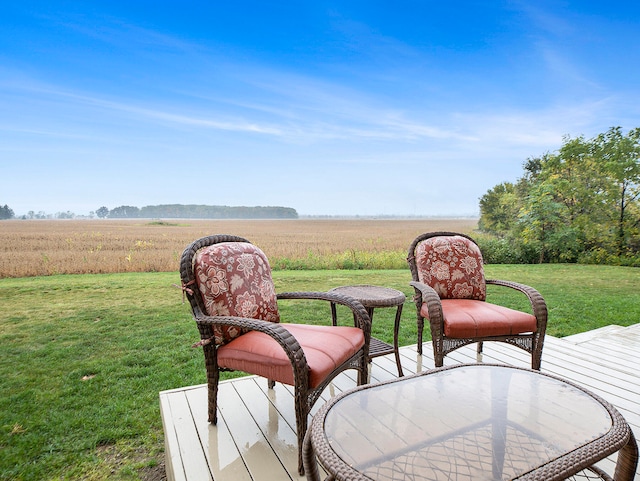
(84, 357)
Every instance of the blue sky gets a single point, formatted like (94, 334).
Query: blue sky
(332, 108)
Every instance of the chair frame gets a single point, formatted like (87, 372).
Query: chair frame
(305, 396)
(443, 345)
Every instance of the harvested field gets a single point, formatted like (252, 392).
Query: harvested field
(46, 247)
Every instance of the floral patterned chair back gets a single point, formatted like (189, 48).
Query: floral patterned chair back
(453, 266)
(234, 279)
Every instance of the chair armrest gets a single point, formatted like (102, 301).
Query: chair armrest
(360, 315)
(538, 303)
(426, 294)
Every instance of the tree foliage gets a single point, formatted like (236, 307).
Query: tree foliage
(124, 212)
(580, 204)
(500, 206)
(102, 212)
(6, 212)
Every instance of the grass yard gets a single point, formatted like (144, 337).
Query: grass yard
(84, 356)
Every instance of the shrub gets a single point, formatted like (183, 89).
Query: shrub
(602, 257)
(505, 251)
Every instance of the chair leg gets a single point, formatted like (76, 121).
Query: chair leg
(438, 356)
(420, 329)
(213, 378)
(536, 359)
(364, 372)
(535, 363)
(438, 352)
(536, 353)
(302, 412)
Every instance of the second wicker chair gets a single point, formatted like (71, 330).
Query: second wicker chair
(450, 292)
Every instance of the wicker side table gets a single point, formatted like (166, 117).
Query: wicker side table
(371, 297)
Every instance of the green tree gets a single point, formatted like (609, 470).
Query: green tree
(543, 224)
(124, 211)
(533, 169)
(499, 209)
(581, 202)
(102, 212)
(580, 185)
(619, 155)
(65, 215)
(6, 212)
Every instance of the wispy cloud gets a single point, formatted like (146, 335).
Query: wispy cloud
(310, 115)
(118, 33)
(129, 107)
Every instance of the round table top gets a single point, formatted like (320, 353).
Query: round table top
(423, 422)
(372, 296)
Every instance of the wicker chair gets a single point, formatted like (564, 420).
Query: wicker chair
(229, 286)
(450, 291)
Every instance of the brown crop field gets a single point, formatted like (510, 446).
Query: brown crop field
(46, 247)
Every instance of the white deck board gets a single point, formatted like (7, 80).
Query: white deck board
(183, 430)
(255, 437)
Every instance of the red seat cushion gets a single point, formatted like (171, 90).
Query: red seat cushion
(467, 318)
(325, 348)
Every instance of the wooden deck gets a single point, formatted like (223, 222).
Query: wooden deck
(255, 435)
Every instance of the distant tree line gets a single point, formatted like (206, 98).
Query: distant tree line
(58, 215)
(180, 211)
(172, 211)
(580, 204)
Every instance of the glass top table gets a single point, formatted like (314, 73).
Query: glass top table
(468, 422)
